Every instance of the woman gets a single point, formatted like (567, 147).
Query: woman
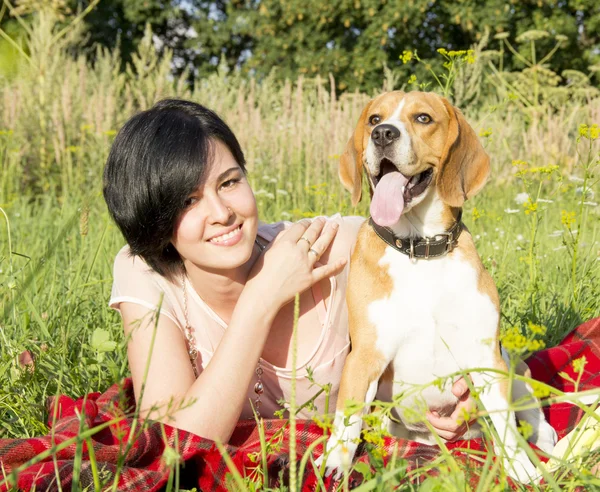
(202, 281)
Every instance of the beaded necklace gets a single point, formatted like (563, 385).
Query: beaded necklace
(259, 388)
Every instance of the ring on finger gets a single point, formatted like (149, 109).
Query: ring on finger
(304, 238)
(314, 252)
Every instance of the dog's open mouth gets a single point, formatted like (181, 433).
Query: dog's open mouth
(392, 191)
(416, 185)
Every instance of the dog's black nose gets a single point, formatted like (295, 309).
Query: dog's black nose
(384, 135)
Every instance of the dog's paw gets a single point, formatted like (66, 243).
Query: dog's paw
(329, 469)
(338, 460)
(546, 438)
(521, 468)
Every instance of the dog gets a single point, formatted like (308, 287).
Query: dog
(420, 303)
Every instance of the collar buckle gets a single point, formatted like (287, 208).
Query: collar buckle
(450, 240)
(411, 252)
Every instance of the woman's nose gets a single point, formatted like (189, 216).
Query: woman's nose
(220, 212)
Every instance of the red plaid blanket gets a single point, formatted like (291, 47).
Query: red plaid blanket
(145, 464)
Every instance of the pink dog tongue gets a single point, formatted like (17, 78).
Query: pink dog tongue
(388, 200)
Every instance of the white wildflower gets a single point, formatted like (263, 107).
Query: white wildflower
(556, 233)
(520, 237)
(591, 204)
(511, 210)
(543, 200)
(282, 193)
(588, 193)
(522, 198)
(575, 179)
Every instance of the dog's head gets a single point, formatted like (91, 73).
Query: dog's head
(408, 142)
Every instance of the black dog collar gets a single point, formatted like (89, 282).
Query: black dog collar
(422, 247)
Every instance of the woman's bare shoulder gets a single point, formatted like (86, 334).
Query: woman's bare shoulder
(344, 240)
(348, 231)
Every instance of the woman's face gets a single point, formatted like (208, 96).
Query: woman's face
(217, 229)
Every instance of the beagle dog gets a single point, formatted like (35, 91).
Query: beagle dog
(420, 303)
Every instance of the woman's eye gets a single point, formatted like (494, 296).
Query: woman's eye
(375, 119)
(190, 201)
(230, 182)
(424, 118)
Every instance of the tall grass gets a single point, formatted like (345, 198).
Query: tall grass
(60, 113)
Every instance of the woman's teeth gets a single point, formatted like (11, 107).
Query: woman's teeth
(224, 237)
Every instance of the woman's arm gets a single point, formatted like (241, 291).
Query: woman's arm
(213, 402)
(210, 406)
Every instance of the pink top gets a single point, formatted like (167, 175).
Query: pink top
(135, 282)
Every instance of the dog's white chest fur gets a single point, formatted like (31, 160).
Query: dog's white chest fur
(434, 322)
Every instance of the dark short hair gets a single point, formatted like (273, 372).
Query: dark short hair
(157, 160)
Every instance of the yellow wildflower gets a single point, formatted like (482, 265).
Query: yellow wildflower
(406, 56)
(589, 132)
(514, 341)
(486, 133)
(567, 218)
(579, 364)
(477, 214)
(543, 169)
(525, 429)
(530, 207)
(412, 79)
(536, 329)
(540, 390)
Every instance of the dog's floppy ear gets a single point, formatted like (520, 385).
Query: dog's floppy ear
(351, 161)
(465, 166)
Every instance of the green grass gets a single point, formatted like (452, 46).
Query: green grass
(58, 279)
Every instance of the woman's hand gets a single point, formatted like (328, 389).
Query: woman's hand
(453, 427)
(287, 266)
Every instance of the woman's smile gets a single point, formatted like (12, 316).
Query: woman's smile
(228, 238)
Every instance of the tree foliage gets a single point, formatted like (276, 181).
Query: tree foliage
(353, 39)
(350, 39)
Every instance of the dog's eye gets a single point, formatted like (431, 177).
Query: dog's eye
(424, 118)
(375, 119)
